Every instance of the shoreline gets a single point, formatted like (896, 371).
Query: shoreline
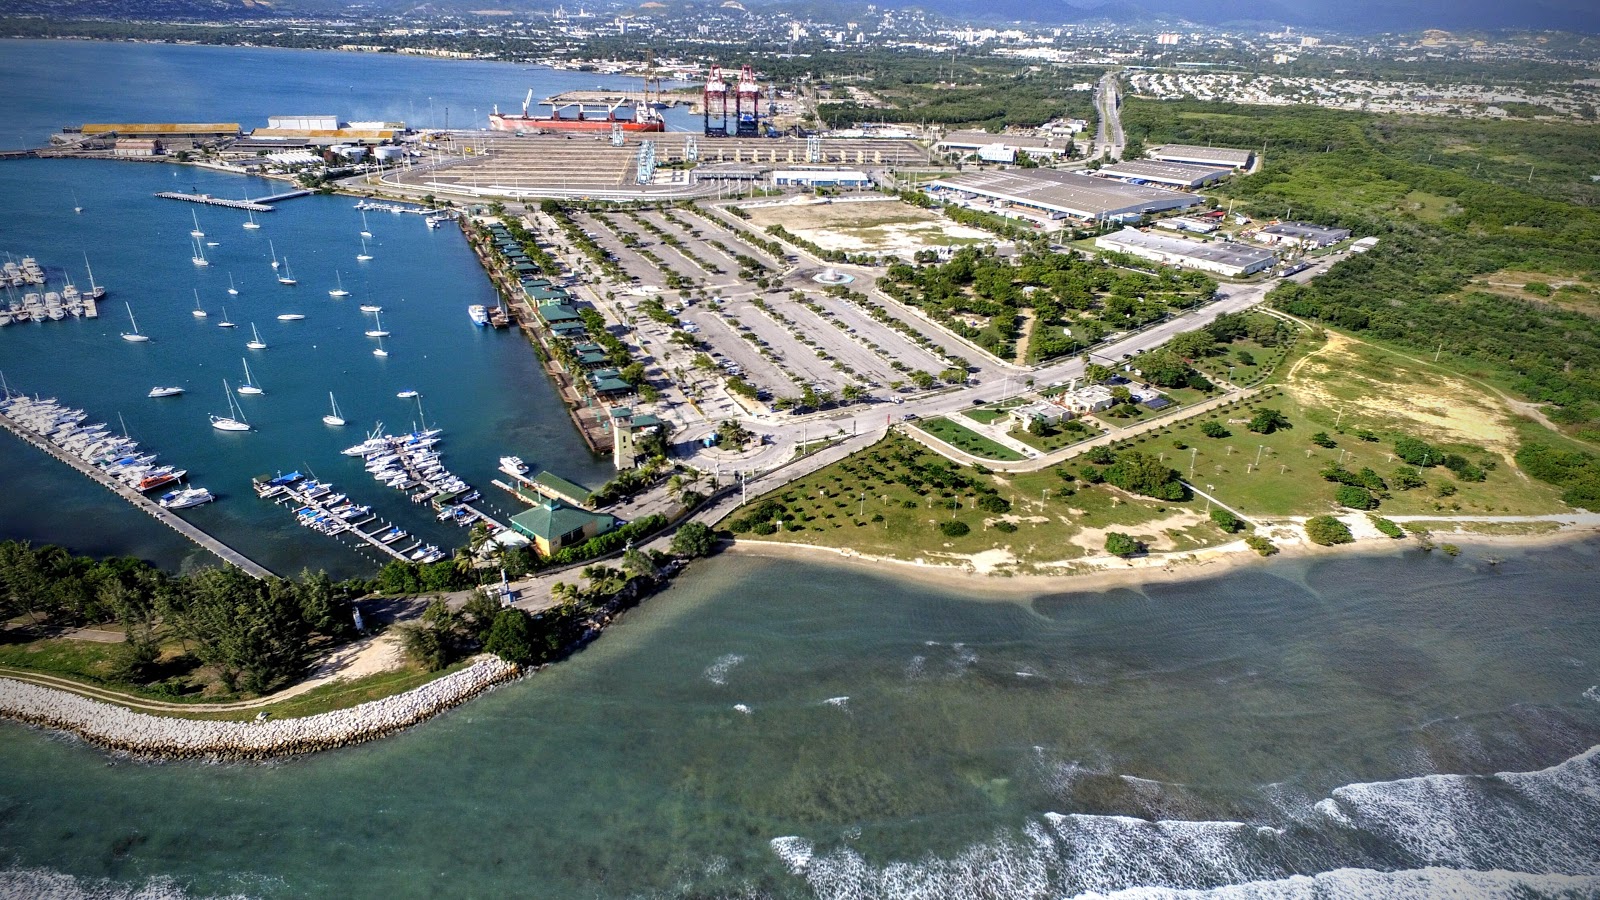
(1094, 573)
(122, 731)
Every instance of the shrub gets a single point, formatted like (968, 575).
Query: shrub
(1267, 420)
(693, 540)
(1321, 439)
(1416, 452)
(1353, 497)
(1327, 531)
(1119, 544)
(1225, 520)
(954, 528)
(1006, 527)
(1214, 429)
(995, 504)
(511, 636)
(1387, 526)
(1261, 545)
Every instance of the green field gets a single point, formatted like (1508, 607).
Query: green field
(963, 438)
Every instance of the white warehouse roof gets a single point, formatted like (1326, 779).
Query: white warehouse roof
(1231, 157)
(1066, 193)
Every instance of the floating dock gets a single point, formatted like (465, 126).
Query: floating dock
(141, 502)
(386, 538)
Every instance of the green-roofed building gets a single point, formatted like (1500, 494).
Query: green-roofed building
(558, 312)
(555, 487)
(609, 383)
(553, 526)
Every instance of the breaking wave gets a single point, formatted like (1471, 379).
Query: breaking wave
(717, 672)
(45, 884)
(1512, 834)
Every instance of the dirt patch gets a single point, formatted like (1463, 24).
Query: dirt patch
(872, 226)
(1339, 376)
(1152, 534)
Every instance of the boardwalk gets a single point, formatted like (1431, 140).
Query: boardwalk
(141, 502)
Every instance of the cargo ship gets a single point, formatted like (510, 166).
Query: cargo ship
(632, 116)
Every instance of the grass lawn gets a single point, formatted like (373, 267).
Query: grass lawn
(963, 438)
(97, 664)
(908, 489)
(1055, 437)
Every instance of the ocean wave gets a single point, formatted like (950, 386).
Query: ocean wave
(717, 672)
(1369, 884)
(1432, 828)
(45, 884)
(1592, 694)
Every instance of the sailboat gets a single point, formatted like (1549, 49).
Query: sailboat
(255, 343)
(333, 418)
(274, 252)
(225, 323)
(380, 351)
(249, 386)
(363, 256)
(377, 330)
(371, 308)
(364, 232)
(286, 277)
(197, 312)
(199, 257)
(76, 206)
(338, 291)
(196, 233)
(133, 335)
(95, 291)
(251, 224)
(234, 420)
(231, 289)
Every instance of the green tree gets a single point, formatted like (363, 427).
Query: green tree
(1214, 429)
(1354, 497)
(954, 528)
(922, 379)
(1225, 520)
(1141, 473)
(1267, 420)
(1327, 531)
(511, 637)
(693, 540)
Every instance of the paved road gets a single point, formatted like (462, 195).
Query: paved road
(1109, 139)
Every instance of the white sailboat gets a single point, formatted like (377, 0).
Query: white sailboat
(196, 233)
(234, 420)
(364, 232)
(225, 323)
(333, 418)
(286, 277)
(249, 386)
(377, 330)
(363, 256)
(76, 206)
(198, 312)
(338, 291)
(231, 289)
(251, 224)
(199, 257)
(255, 342)
(380, 351)
(133, 335)
(274, 251)
(371, 308)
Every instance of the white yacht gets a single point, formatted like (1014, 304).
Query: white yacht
(333, 418)
(234, 420)
(134, 335)
(290, 317)
(187, 497)
(165, 391)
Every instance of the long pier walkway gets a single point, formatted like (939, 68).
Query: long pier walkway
(141, 502)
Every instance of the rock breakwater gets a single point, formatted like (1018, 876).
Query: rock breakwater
(123, 730)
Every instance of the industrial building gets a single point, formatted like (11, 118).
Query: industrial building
(1058, 195)
(1301, 234)
(980, 142)
(850, 178)
(173, 135)
(1203, 156)
(1179, 175)
(1220, 257)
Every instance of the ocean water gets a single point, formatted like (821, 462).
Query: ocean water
(1397, 726)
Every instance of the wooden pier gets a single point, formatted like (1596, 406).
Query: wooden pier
(141, 502)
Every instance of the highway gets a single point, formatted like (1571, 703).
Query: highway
(1109, 139)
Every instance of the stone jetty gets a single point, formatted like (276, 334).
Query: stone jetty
(123, 730)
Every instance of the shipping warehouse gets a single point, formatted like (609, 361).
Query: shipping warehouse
(1178, 175)
(1059, 195)
(1220, 257)
(1203, 156)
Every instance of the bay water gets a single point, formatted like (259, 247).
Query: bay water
(1402, 725)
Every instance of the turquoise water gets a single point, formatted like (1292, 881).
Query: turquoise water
(763, 728)
(482, 387)
(852, 736)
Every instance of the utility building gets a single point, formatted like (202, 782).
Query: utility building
(1301, 234)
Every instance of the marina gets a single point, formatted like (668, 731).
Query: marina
(110, 461)
(319, 507)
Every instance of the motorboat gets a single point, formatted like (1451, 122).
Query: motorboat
(165, 392)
